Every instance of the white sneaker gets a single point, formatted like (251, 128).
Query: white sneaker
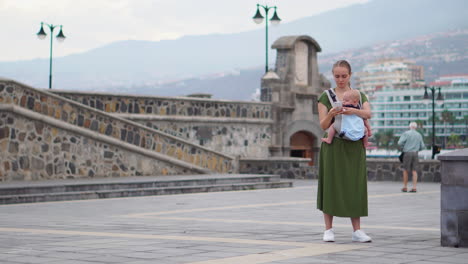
(360, 236)
(329, 235)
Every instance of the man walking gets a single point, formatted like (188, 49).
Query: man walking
(411, 142)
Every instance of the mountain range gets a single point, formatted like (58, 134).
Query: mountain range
(224, 61)
(440, 53)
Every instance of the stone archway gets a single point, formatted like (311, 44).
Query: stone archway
(302, 146)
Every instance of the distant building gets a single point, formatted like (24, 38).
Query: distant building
(387, 72)
(394, 106)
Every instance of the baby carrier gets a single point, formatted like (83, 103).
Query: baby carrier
(349, 127)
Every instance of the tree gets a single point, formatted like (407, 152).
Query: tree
(420, 123)
(428, 139)
(465, 120)
(386, 139)
(454, 141)
(447, 117)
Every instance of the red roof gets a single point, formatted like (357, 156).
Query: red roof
(441, 83)
(455, 75)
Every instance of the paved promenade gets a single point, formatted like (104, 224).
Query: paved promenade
(244, 227)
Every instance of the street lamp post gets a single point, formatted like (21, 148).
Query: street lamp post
(275, 20)
(435, 149)
(60, 37)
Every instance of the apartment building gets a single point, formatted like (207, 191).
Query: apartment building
(395, 105)
(388, 72)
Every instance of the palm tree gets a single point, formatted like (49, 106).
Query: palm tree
(377, 138)
(388, 139)
(420, 123)
(465, 119)
(420, 128)
(385, 139)
(454, 140)
(447, 117)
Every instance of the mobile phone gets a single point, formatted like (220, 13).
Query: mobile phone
(338, 105)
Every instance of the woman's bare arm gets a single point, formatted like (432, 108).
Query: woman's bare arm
(326, 116)
(365, 112)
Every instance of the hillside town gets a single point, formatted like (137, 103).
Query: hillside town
(399, 95)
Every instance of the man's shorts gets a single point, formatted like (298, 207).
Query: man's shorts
(410, 161)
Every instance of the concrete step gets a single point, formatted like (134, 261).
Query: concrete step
(128, 183)
(79, 190)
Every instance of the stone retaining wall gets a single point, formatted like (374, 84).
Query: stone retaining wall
(245, 138)
(230, 127)
(291, 168)
(173, 106)
(377, 169)
(17, 96)
(391, 170)
(35, 150)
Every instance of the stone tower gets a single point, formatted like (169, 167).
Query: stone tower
(293, 88)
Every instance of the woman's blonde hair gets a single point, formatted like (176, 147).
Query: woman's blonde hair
(345, 64)
(342, 63)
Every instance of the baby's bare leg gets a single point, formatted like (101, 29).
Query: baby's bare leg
(331, 134)
(368, 128)
(365, 139)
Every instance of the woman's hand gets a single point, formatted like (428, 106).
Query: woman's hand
(349, 111)
(336, 111)
(364, 112)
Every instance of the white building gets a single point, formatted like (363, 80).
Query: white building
(387, 72)
(394, 106)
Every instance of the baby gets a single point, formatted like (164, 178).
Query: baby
(350, 99)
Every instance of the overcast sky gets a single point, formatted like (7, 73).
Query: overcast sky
(89, 24)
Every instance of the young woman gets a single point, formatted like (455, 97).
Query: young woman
(342, 185)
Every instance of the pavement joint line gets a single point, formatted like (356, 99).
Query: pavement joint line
(141, 215)
(401, 194)
(279, 255)
(302, 250)
(230, 242)
(289, 223)
(216, 208)
(161, 237)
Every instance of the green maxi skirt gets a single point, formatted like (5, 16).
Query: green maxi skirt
(342, 181)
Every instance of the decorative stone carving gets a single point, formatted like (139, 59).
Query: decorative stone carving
(302, 54)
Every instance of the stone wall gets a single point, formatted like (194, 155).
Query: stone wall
(58, 111)
(34, 150)
(377, 169)
(391, 170)
(230, 127)
(234, 138)
(172, 106)
(291, 168)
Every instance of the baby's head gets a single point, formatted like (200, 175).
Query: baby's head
(351, 97)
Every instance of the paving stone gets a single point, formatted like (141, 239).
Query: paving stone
(189, 228)
(32, 259)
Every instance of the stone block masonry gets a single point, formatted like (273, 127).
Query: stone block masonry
(34, 150)
(235, 138)
(167, 106)
(290, 168)
(43, 106)
(391, 170)
(231, 127)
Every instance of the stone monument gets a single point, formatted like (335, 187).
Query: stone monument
(293, 88)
